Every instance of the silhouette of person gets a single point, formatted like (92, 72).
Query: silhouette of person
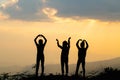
(81, 55)
(40, 53)
(64, 54)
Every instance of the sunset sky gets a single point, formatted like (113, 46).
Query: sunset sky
(97, 21)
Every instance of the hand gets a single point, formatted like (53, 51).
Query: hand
(40, 35)
(69, 38)
(57, 40)
(80, 39)
(84, 40)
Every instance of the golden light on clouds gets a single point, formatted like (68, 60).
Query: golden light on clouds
(8, 3)
(50, 12)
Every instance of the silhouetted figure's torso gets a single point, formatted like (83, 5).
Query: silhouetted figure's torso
(40, 53)
(82, 53)
(64, 53)
(40, 49)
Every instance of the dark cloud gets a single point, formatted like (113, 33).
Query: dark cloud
(95, 9)
(28, 10)
(107, 10)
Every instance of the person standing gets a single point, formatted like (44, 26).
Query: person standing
(64, 55)
(40, 53)
(81, 55)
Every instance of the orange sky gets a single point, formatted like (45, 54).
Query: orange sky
(18, 48)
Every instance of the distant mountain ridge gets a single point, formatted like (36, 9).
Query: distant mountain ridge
(90, 66)
(115, 63)
(56, 69)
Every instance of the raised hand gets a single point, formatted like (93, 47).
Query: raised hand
(41, 35)
(80, 39)
(69, 38)
(38, 35)
(57, 40)
(84, 40)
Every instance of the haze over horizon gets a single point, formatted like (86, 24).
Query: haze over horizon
(21, 20)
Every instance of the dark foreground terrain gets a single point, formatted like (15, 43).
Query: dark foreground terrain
(108, 74)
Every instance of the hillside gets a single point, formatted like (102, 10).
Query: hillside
(107, 74)
(93, 67)
(100, 70)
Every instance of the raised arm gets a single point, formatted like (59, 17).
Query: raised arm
(69, 41)
(86, 44)
(77, 44)
(35, 40)
(58, 44)
(44, 39)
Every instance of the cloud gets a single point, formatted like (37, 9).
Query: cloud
(8, 3)
(25, 10)
(107, 10)
(49, 11)
(52, 15)
(44, 1)
(43, 10)
(3, 16)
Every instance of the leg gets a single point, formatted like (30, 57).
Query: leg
(77, 67)
(62, 67)
(67, 68)
(83, 67)
(42, 65)
(37, 66)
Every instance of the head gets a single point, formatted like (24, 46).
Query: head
(82, 44)
(65, 43)
(40, 41)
